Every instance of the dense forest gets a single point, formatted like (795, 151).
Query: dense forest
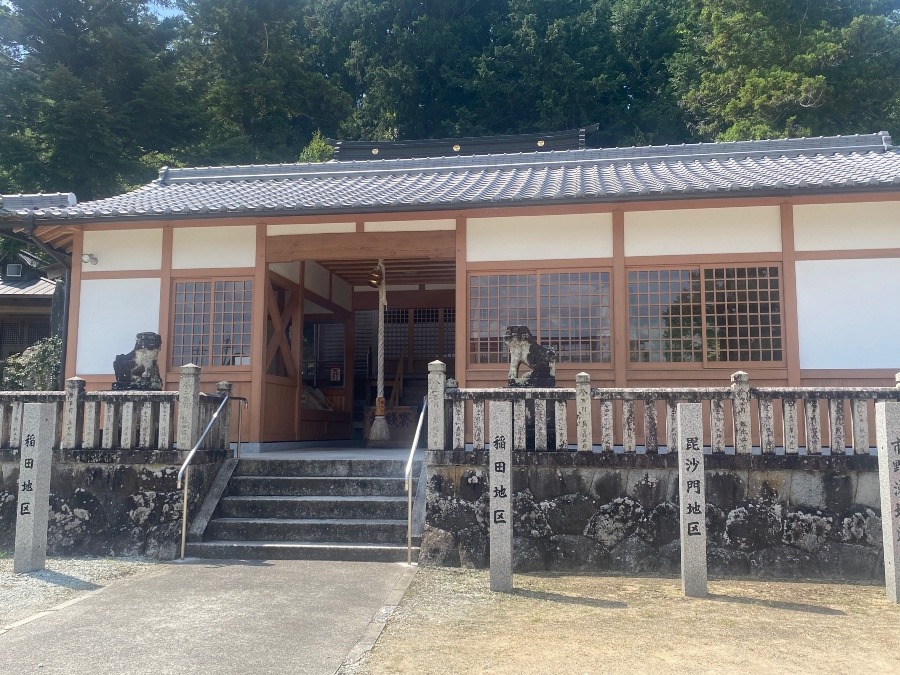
(96, 95)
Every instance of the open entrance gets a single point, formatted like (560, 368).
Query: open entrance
(322, 344)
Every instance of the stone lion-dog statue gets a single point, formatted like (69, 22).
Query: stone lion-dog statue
(525, 350)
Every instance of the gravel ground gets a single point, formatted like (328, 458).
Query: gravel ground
(449, 622)
(64, 579)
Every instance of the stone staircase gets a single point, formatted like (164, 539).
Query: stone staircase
(323, 509)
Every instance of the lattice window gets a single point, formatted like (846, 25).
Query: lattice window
(495, 302)
(743, 314)
(733, 315)
(396, 333)
(665, 322)
(232, 319)
(575, 316)
(449, 333)
(190, 339)
(212, 323)
(426, 333)
(38, 331)
(13, 333)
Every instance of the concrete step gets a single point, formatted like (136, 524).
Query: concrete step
(342, 530)
(299, 550)
(316, 485)
(322, 467)
(393, 508)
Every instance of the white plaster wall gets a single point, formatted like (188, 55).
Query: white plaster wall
(310, 228)
(753, 229)
(205, 247)
(410, 225)
(118, 250)
(315, 278)
(829, 227)
(289, 270)
(341, 292)
(539, 237)
(847, 313)
(110, 313)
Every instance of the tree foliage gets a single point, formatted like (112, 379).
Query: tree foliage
(35, 369)
(95, 95)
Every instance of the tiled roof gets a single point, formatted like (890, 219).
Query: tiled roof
(41, 200)
(31, 288)
(838, 164)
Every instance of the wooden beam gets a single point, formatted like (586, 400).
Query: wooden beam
(434, 245)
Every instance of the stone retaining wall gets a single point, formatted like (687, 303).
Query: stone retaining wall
(767, 516)
(111, 502)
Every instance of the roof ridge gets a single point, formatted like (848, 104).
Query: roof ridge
(732, 149)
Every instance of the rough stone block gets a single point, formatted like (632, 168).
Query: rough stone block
(769, 486)
(808, 489)
(577, 553)
(839, 491)
(783, 562)
(726, 562)
(752, 526)
(634, 556)
(569, 514)
(725, 489)
(607, 485)
(850, 561)
(650, 487)
(867, 491)
(438, 549)
(529, 519)
(473, 548)
(661, 525)
(529, 555)
(806, 530)
(614, 522)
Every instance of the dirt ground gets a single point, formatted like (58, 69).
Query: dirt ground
(449, 622)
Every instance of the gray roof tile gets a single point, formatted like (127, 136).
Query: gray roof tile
(831, 164)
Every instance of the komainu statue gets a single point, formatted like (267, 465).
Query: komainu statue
(139, 369)
(525, 350)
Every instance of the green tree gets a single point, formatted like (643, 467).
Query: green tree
(258, 77)
(318, 149)
(775, 68)
(70, 110)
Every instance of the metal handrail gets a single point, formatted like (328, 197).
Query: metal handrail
(184, 473)
(408, 476)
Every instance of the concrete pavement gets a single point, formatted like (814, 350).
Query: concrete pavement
(221, 617)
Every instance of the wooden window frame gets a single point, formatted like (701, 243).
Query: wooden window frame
(538, 272)
(170, 356)
(705, 363)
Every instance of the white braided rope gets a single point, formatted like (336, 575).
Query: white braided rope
(382, 304)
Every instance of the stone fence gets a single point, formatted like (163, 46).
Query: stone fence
(791, 479)
(113, 475)
(740, 417)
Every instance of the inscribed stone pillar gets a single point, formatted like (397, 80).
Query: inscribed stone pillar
(692, 491)
(40, 424)
(887, 430)
(437, 381)
(500, 514)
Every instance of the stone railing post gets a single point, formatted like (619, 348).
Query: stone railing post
(437, 381)
(188, 406)
(887, 434)
(223, 432)
(72, 417)
(583, 428)
(740, 386)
